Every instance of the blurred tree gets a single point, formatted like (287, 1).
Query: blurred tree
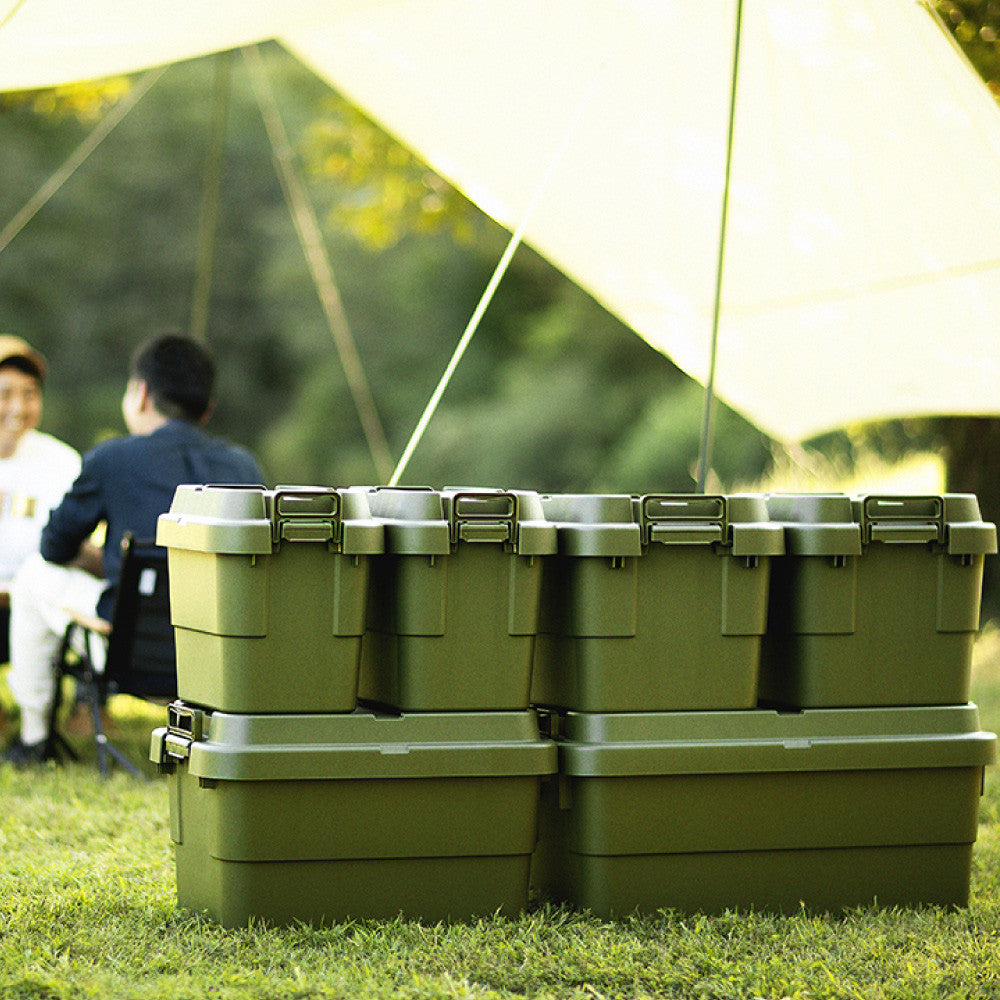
(110, 258)
(971, 445)
(387, 193)
(84, 101)
(570, 379)
(546, 393)
(976, 27)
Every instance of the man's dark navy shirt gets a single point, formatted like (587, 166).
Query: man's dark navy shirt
(129, 482)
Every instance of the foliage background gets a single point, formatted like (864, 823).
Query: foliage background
(554, 393)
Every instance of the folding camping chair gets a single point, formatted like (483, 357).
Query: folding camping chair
(140, 658)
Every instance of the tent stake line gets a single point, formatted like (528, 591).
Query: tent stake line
(501, 269)
(708, 416)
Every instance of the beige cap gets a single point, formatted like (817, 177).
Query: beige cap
(15, 347)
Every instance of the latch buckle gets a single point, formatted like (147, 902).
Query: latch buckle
(903, 519)
(483, 517)
(683, 519)
(306, 514)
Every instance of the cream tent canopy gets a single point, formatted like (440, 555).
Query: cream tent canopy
(861, 270)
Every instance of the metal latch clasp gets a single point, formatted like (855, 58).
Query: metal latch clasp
(172, 743)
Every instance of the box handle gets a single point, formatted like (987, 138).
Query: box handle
(683, 519)
(483, 517)
(685, 534)
(185, 721)
(307, 531)
(306, 514)
(487, 532)
(894, 519)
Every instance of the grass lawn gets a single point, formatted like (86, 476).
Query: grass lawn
(87, 910)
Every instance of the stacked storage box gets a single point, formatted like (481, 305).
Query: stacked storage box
(695, 797)
(876, 601)
(267, 595)
(827, 808)
(288, 802)
(358, 815)
(455, 599)
(656, 603)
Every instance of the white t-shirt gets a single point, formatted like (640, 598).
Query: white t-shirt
(32, 481)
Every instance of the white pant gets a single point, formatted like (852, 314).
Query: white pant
(41, 597)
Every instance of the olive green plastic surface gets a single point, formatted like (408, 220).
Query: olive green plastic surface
(876, 601)
(323, 818)
(820, 880)
(760, 810)
(268, 590)
(360, 745)
(453, 607)
(654, 603)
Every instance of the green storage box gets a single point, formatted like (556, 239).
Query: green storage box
(828, 808)
(329, 817)
(654, 603)
(267, 595)
(454, 608)
(876, 601)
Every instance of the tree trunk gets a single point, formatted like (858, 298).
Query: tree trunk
(971, 448)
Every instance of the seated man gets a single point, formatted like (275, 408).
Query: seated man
(36, 469)
(126, 483)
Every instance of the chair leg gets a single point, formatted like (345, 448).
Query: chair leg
(56, 746)
(94, 703)
(103, 744)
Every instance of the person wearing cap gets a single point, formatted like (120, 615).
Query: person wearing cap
(36, 469)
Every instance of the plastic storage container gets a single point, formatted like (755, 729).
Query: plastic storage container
(267, 592)
(876, 601)
(327, 817)
(454, 610)
(655, 603)
(760, 810)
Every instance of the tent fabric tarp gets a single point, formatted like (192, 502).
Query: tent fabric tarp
(862, 252)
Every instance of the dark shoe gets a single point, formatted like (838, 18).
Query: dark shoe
(26, 754)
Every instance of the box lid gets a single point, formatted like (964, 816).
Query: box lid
(422, 521)
(619, 525)
(816, 524)
(822, 524)
(361, 744)
(652, 743)
(250, 520)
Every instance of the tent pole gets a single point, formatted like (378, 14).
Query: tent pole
(311, 240)
(78, 156)
(212, 184)
(708, 415)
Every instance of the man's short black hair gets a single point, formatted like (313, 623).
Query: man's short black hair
(179, 373)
